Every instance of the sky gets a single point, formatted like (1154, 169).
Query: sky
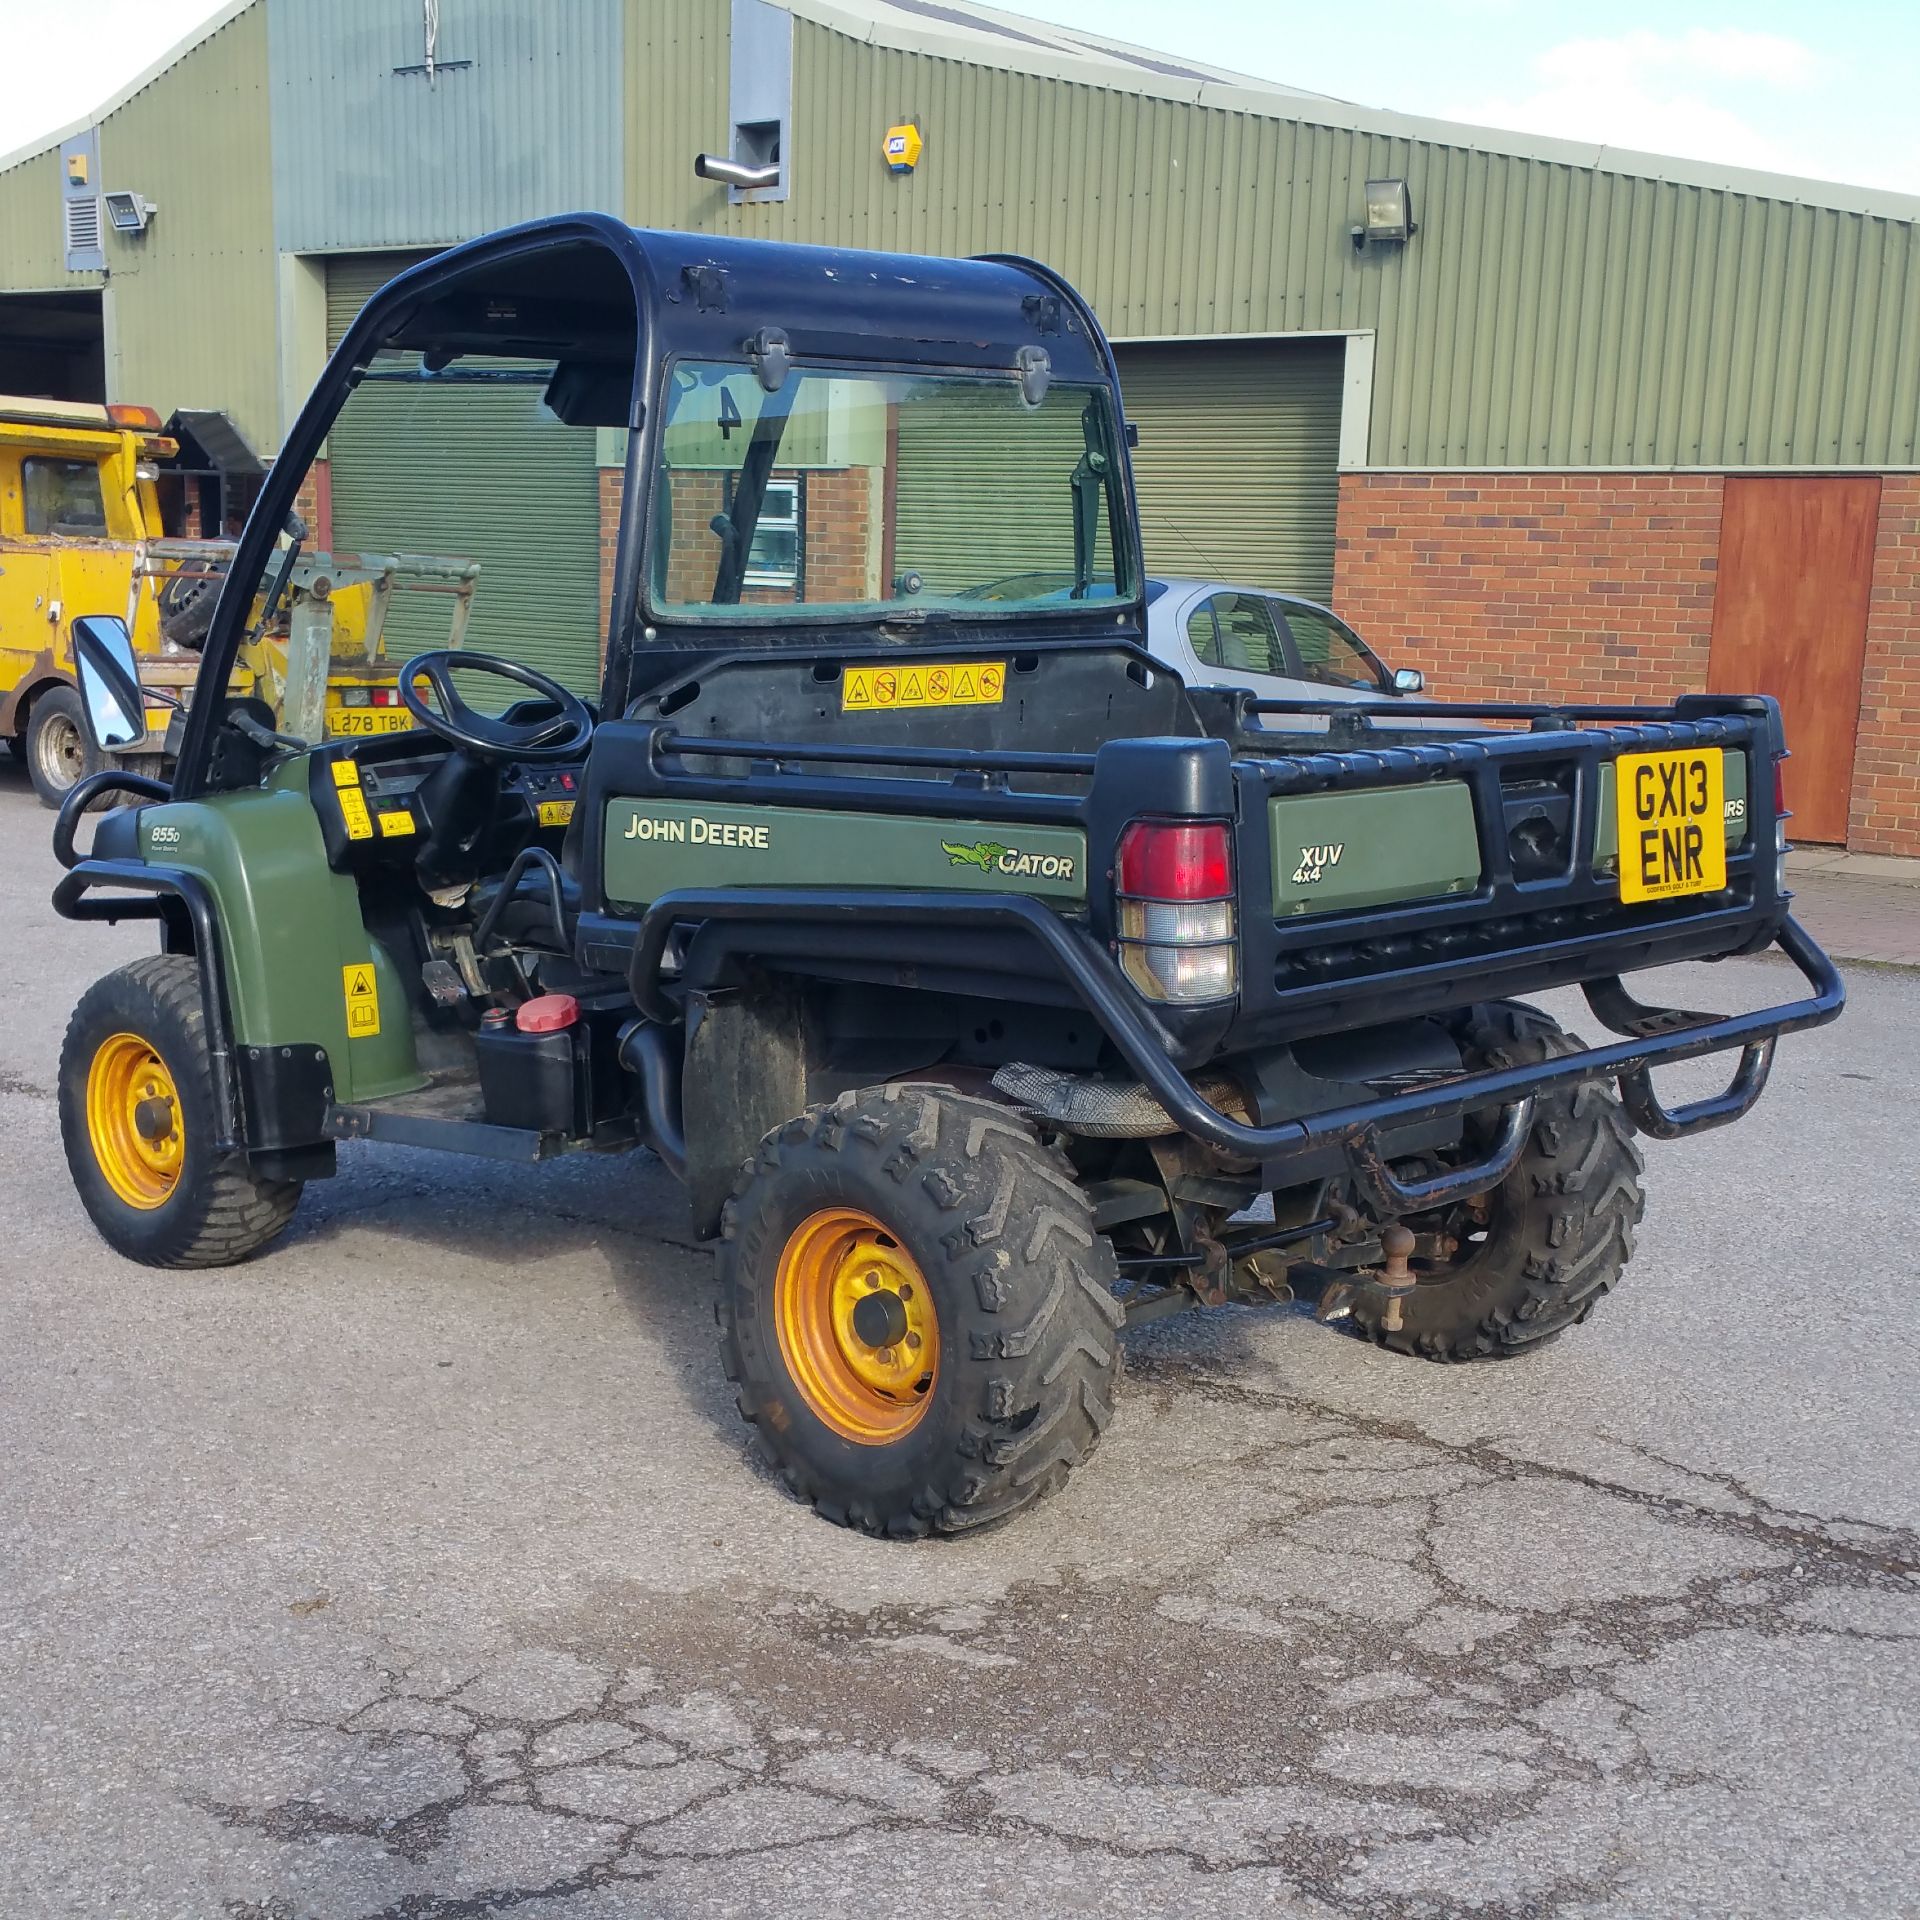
(1822, 88)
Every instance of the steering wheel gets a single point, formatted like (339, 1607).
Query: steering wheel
(489, 736)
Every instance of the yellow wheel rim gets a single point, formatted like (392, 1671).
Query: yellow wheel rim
(133, 1121)
(857, 1326)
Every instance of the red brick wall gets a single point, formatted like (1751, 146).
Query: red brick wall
(314, 504)
(1513, 586)
(836, 535)
(1886, 769)
(613, 484)
(1600, 587)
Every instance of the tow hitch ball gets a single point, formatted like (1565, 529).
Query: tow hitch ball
(1394, 1280)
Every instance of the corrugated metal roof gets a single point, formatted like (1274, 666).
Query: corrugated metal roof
(958, 30)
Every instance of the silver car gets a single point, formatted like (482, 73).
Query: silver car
(1277, 644)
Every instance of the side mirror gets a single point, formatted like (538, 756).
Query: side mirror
(109, 681)
(1409, 680)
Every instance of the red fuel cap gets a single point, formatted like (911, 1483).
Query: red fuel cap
(548, 1014)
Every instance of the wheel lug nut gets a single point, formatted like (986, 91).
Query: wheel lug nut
(913, 1342)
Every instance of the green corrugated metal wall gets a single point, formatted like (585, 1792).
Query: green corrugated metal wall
(192, 307)
(1238, 463)
(1544, 315)
(32, 252)
(945, 530)
(484, 473)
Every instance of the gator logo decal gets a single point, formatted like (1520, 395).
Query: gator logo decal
(990, 856)
(982, 854)
(1315, 862)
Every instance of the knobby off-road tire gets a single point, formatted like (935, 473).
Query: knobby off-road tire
(1019, 1282)
(161, 1195)
(1561, 1225)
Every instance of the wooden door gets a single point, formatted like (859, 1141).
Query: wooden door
(1790, 619)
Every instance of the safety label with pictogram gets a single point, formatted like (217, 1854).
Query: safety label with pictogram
(363, 1000)
(952, 683)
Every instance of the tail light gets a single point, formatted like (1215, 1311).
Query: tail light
(1174, 887)
(354, 697)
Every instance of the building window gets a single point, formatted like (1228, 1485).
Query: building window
(63, 496)
(774, 558)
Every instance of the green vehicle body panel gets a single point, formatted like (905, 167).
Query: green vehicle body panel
(655, 846)
(1375, 848)
(288, 926)
(1606, 841)
(1337, 852)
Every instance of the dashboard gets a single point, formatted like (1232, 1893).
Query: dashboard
(393, 794)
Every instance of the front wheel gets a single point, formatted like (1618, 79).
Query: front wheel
(917, 1310)
(1531, 1257)
(60, 749)
(136, 1119)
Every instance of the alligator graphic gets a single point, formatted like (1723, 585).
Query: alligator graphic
(984, 854)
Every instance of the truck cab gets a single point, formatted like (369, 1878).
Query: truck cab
(82, 532)
(77, 497)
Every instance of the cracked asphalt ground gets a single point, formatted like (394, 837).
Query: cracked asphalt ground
(418, 1569)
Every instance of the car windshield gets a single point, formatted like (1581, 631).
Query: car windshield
(854, 493)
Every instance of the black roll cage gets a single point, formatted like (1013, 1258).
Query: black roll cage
(667, 317)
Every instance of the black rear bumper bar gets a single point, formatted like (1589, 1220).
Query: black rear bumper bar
(1656, 1037)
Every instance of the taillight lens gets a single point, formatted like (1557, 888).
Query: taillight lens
(1188, 860)
(1174, 887)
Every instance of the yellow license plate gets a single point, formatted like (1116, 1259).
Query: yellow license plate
(952, 683)
(1671, 812)
(345, 721)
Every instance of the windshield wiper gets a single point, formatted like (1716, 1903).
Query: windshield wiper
(1089, 483)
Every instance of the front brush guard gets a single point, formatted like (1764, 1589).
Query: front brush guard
(1658, 1036)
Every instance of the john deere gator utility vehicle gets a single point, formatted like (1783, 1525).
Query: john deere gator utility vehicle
(987, 987)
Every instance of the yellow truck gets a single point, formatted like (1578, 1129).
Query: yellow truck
(81, 532)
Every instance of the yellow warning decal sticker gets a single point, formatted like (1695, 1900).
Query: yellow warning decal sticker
(363, 1000)
(556, 813)
(397, 822)
(953, 683)
(353, 810)
(346, 773)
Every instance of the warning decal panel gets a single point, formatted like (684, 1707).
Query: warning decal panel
(952, 683)
(363, 1000)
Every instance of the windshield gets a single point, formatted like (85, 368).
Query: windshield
(451, 507)
(856, 493)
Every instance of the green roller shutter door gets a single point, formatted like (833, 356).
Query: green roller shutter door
(956, 532)
(1238, 467)
(482, 472)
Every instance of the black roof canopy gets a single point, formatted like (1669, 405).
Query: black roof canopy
(572, 289)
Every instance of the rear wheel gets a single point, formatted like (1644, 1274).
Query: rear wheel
(60, 750)
(136, 1119)
(1532, 1256)
(917, 1310)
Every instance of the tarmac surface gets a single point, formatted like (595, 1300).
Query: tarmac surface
(418, 1569)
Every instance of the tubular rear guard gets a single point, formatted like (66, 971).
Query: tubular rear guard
(750, 921)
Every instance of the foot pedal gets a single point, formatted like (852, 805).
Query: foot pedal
(441, 978)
